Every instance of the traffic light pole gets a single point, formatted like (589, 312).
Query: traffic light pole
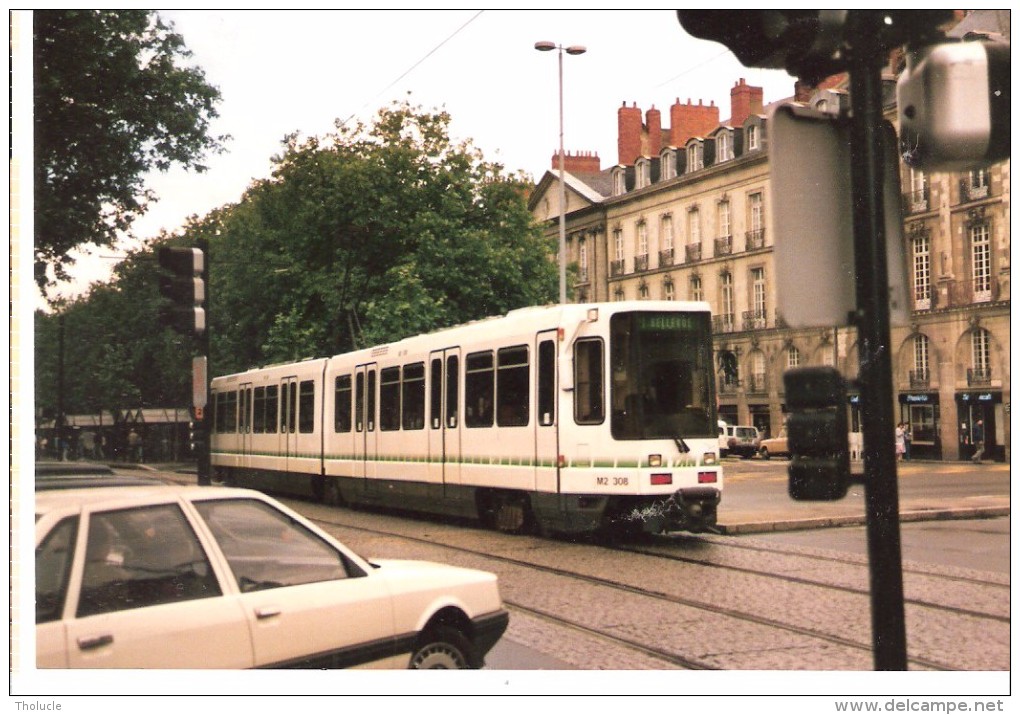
(202, 425)
(866, 58)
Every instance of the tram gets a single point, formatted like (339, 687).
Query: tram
(569, 419)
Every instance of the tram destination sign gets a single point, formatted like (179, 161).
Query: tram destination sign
(666, 322)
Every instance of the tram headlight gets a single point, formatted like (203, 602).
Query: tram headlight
(654, 460)
(708, 458)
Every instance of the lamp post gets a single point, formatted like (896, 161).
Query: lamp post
(546, 46)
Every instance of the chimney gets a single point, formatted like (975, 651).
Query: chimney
(653, 118)
(629, 134)
(583, 162)
(745, 100)
(689, 120)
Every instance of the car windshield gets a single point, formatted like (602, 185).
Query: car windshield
(661, 376)
(745, 432)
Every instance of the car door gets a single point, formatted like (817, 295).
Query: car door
(146, 596)
(307, 604)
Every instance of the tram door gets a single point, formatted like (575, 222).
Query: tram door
(288, 419)
(365, 423)
(444, 418)
(546, 438)
(244, 397)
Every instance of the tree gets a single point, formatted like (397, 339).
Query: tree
(112, 101)
(369, 235)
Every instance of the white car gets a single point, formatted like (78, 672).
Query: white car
(209, 577)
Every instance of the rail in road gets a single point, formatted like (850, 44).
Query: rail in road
(695, 602)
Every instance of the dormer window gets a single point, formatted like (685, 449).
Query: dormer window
(753, 135)
(643, 170)
(695, 155)
(724, 145)
(668, 162)
(619, 180)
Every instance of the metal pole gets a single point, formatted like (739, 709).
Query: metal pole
(202, 426)
(873, 326)
(563, 199)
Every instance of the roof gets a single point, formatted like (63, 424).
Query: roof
(123, 496)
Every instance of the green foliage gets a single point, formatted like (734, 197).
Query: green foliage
(362, 237)
(112, 101)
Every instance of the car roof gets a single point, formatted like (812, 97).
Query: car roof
(107, 496)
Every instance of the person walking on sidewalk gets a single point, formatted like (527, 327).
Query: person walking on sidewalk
(901, 444)
(906, 441)
(978, 435)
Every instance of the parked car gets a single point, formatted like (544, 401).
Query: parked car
(174, 576)
(739, 439)
(774, 446)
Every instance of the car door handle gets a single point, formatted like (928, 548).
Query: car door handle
(92, 642)
(267, 612)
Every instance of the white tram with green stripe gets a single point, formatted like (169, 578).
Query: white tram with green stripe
(571, 418)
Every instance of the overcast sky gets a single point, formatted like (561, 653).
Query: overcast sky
(298, 71)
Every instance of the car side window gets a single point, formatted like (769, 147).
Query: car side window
(145, 556)
(268, 549)
(53, 559)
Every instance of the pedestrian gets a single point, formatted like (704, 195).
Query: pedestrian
(901, 444)
(978, 437)
(135, 446)
(907, 438)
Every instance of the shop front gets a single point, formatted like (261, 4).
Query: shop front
(980, 413)
(920, 412)
(762, 419)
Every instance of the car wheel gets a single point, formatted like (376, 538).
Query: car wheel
(442, 649)
(765, 453)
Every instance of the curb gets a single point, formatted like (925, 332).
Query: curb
(764, 527)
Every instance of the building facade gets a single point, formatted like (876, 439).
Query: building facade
(684, 215)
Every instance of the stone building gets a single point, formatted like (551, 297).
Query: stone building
(684, 215)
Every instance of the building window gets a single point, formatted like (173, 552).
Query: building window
(724, 242)
(757, 372)
(668, 164)
(695, 288)
(694, 225)
(752, 133)
(643, 170)
(619, 181)
(582, 261)
(981, 262)
(726, 299)
(695, 156)
(981, 370)
(757, 212)
(922, 271)
(666, 256)
(618, 243)
(977, 185)
(668, 291)
(643, 293)
(723, 146)
(792, 357)
(918, 199)
(757, 298)
(641, 254)
(919, 376)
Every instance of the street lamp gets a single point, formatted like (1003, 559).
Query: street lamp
(546, 46)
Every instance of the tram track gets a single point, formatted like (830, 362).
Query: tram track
(686, 601)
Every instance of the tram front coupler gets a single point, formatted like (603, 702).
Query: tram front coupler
(695, 508)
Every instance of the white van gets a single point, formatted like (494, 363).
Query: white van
(738, 439)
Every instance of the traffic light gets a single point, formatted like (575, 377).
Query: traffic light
(184, 287)
(817, 430)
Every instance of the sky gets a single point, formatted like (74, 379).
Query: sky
(281, 72)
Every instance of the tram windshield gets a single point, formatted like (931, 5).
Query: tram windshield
(661, 372)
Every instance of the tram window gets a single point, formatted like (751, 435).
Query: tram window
(306, 412)
(389, 399)
(546, 382)
(290, 395)
(589, 391)
(272, 407)
(512, 387)
(371, 401)
(478, 389)
(359, 402)
(244, 413)
(217, 412)
(413, 396)
(230, 411)
(452, 390)
(342, 404)
(436, 393)
(258, 422)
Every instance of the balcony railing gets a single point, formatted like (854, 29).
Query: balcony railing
(724, 245)
(693, 251)
(979, 376)
(641, 263)
(915, 202)
(616, 268)
(728, 386)
(920, 379)
(969, 192)
(666, 258)
(755, 319)
(723, 323)
(755, 239)
(924, 298)
(954, 294)
(757, 384)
